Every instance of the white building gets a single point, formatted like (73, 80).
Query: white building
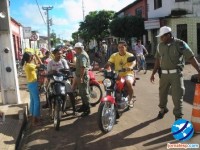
(183, 16)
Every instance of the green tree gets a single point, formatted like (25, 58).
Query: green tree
(127, 27)
(75, 37)
(96, 25)
(53, 39)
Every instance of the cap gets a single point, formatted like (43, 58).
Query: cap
(78, 45)
(164, 30)
(103, 41)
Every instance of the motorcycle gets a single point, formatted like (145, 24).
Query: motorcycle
(57, 95)
(42, 70)
(116, 100)
(95, 90)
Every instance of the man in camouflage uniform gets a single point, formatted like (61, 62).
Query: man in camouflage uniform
(82, 77)
(170, 56)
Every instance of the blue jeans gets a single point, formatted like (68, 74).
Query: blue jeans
(34, 99)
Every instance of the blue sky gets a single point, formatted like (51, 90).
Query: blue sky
(66, 14)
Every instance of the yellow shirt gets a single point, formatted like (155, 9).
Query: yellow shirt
(121, 62)
(30, 71)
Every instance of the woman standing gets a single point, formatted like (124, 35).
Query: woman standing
(29, 62)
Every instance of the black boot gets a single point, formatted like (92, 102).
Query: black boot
(86, 111)
(81, 109)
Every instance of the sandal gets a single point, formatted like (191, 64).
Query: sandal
(131, 103)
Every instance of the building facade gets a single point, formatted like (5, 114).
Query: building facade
(137, 8)
(183, 16)
(16, 36)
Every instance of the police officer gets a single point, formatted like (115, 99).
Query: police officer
(170, 56)
(82, 77)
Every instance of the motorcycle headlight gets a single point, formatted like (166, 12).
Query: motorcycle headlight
(107, 82)
(56, 78)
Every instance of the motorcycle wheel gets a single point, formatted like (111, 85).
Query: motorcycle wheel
(95, 94)
(106, 116)
(57, 115)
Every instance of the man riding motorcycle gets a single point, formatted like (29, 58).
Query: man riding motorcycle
(54, 66)
(119, 60)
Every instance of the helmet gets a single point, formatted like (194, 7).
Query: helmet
(78, 45)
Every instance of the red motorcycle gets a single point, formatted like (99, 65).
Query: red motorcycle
(95, 90)
(116, 100)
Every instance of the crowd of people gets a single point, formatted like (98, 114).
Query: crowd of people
(168, 59)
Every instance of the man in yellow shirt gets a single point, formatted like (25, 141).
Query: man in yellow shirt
(119, 60)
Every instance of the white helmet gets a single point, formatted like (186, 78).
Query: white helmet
(79, 45)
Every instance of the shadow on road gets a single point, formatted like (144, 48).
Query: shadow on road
(83, 133)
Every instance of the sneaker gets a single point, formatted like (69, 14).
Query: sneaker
(131, 103)
(85, 113)
(162, 113)
(45, 106)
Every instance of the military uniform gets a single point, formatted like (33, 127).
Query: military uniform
(83, 61)
(172, 56)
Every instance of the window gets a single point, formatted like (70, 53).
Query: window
(138, 12)
(182, 32)
(157, 4)
(181, 0)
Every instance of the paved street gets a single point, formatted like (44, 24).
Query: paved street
(136, 129)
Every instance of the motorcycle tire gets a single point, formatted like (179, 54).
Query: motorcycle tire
(95, 94)
(57, 115)
(106, 116)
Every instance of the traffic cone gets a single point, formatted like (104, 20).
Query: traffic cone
(196, 110)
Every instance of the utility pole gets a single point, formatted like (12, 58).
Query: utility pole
(83, 9)
(48, 24)
(8, 72)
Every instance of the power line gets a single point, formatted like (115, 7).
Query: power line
(40, 11)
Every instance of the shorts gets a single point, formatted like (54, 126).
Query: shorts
(130, 78)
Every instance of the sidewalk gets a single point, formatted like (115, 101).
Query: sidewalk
(11, 130)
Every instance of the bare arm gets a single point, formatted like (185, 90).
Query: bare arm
(156, 66)
(195, 64)
(145, 50)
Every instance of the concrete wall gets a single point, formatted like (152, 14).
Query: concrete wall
(131, 11)
(192, 7)
(191, 29)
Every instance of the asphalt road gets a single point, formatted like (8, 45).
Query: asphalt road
(137, 129)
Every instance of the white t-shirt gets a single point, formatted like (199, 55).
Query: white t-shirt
(139, 49)
(53, 65)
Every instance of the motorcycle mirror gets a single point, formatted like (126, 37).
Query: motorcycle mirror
(131, 59)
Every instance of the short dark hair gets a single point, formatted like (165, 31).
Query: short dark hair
(122, 42)
(56, 50)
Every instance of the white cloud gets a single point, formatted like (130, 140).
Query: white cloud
(74, 8)
(59, 21)
(32, 14)
(72, 13)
